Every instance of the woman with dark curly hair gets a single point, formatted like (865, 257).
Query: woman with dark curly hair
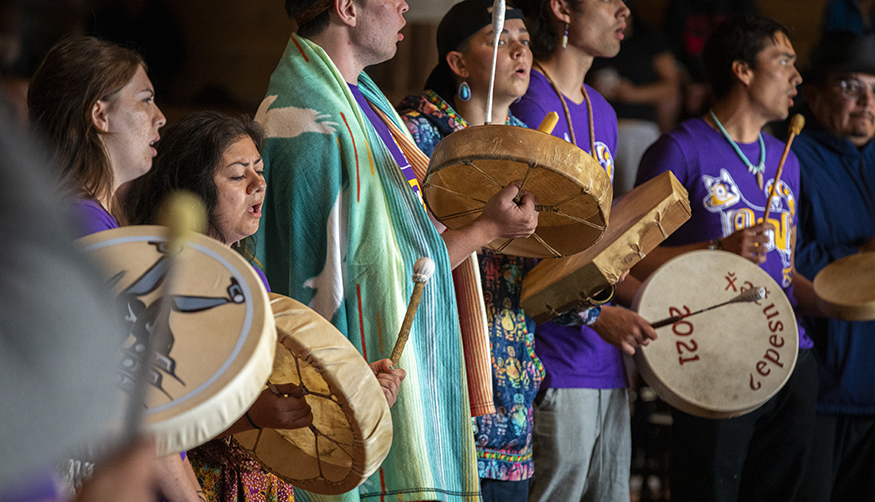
(218, 158)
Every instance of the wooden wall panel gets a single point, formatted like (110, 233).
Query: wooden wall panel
(234, 46)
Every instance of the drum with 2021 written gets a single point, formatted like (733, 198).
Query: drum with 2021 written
(725, 362)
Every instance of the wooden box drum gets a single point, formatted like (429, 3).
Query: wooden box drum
(574, 192)
(222, 338)
(725, 362)
(845, 288)
(352, 427)
(640, 221)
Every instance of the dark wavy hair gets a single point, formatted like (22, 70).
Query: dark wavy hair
(189, 155)
(740, 38)
(74, 75)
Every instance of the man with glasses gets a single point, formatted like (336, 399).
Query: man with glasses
(836, 154)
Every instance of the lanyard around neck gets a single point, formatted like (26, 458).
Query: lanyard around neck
(568, 113)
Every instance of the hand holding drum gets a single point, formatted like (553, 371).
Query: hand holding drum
(422, 272)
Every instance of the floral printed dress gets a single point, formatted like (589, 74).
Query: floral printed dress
(503, 439)
(227, 473)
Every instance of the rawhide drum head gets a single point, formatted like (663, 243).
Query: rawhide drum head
(213, 365)
(725, 362)
(845, 288)
(574, 192)
(352, 427)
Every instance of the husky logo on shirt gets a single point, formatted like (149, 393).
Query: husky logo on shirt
(605, 159)
(736, 213)
(783, 198)
(722, 192)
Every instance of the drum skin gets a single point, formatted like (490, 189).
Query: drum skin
(725, 362)
(845, 288)
(214, 365)
(351, 432)
(469, 166)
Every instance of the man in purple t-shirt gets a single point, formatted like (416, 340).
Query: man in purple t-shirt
(719, 159)
(581, 437)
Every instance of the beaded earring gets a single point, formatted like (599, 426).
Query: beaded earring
(464, 91)
(565, 38)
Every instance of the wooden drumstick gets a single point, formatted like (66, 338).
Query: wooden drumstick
(549, 123)
(422, 272)
(796, 125)
(498, 11)
(750, 295)
(182, 213)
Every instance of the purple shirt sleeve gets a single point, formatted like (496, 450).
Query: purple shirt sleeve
(90, 217)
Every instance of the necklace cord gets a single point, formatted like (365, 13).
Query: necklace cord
(758, 170)
(568, 113)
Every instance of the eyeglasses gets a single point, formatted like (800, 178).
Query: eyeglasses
(854, 89)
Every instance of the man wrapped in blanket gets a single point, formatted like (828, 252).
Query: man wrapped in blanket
(344, 222)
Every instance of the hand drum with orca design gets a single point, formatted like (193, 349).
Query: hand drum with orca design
(222, 339)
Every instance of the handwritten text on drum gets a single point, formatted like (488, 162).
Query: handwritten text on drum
(775, 326)
(687, 347)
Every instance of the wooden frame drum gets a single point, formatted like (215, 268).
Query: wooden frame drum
(845, 288)
(640, 221)
(351, 432)
(725, 362)
(574, 192)
(222, 338)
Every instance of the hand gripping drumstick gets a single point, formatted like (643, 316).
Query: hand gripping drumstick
(750, 295)
(422, 272)
(796, 125)
(498, 11)
(182, 214)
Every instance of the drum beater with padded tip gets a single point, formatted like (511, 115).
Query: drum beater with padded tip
(423, 269)
(750, 295)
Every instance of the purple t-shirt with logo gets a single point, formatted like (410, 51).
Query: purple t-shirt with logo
(725, 197)
(575, 357)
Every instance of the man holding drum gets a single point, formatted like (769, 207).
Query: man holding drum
(727, 165)
(837, 219)
(345, 221)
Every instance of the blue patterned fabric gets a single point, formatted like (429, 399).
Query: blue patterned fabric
(503, 439)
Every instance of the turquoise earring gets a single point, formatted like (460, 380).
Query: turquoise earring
(464, 91)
